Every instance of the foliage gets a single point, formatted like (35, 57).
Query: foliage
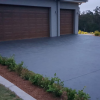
(36, 79)
(71, 93)
(74, 95)
(53, 85)
(82, 32)
(81, 95)
(56, 89)
(56, 86)
(45, 82)
(2, 60)
(97, 33)
(91, 32)
(90, 21)
(26, 74)
(18, 68)
(8, 62)
(79, 32)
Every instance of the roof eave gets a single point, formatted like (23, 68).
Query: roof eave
(75, 1)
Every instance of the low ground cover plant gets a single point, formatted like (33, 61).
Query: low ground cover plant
(82, 32)
(96, 33)
(53, 85)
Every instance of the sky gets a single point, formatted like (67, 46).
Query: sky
(90, 5)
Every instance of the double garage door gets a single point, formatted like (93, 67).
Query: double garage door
(19, 22)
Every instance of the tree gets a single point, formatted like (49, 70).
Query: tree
(89, 21)
(97, 17)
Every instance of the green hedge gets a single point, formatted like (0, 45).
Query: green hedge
(53, 85)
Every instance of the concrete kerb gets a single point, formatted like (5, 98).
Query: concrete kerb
(23, 95)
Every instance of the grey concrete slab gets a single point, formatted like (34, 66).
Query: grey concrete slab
(15, 89)
(5, 82)
(21, 93)
(69, 56)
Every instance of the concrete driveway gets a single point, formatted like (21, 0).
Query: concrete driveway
(75, 59)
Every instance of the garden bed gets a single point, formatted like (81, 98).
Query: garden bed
(35, 91)
(41, 88)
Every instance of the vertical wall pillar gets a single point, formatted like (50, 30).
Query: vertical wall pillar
(58, 18)
(76, 20)
(50, 21)
(53, 20)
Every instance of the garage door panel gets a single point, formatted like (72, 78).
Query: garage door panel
(1, 27)
(66, 26)
(66, 21)
(16, 14)
(24, 15)
(66, 30)
(31, 15)
(7, 31)
(19, 22)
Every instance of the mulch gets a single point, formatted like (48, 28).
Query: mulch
(35, 91)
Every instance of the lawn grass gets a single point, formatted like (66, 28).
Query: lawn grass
(6, 94)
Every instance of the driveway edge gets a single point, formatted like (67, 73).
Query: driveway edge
(23, 95)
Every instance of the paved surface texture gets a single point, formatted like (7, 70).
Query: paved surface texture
(23, 95)
(74, 58)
